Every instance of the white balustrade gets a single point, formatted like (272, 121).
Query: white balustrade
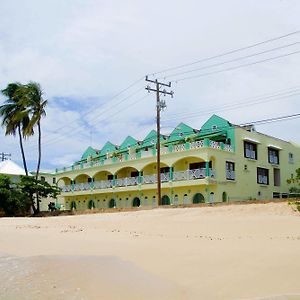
(196, 174)
(197, 144)
(212, 173)
(149, 178)
(164, 177)
(179, 148)
(228, 148)
(215, 145)
(180, 175)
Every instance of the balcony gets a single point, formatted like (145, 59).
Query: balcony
(165, 150)
(146, 179)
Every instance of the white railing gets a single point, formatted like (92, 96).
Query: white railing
(103, 184)
(164, 177)
(215, 145)
(197, 174)
(127, 181)
(228, 148)
(197, 144)
(179, 148)
(230, 174)
(149, 178)
(149, 153)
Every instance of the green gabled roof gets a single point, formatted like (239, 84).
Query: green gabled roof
(89, 152)
(151, 139)
(214, 124)
(180, 132)
(107, 148)
(128, 142)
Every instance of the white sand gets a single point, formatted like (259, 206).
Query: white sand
(231, 252)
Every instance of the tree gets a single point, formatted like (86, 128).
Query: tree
(29, 186)
(12, 201)
(30, 96)
(15, 117)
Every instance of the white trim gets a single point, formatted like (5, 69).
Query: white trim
(274, 147)
(247, 139)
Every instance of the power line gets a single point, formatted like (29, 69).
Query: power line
(233, 106)
(109, 99)
(236, 67)
(227, 53)
(231, 60)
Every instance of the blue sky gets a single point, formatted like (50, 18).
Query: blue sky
(84, 52)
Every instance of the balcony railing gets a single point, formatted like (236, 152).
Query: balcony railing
(150, 153)
(146, 179)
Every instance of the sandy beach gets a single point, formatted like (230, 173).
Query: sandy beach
(227, 252)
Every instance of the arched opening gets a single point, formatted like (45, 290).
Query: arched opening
(73, 205)
(176, 200)
(127, 176)
(112, 203)
(198, 198)
(91, 204)
(211, 197)
(224, 197)
(165, 200)
(136, 202)
(146, 201)
(185, 199)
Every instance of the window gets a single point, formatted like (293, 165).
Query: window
(276, 195)
(250, 150)
(291, 158)
(43, 178)
(134, 174)
(276, 177)
(214, 127)
(262, 176)
(89, 179)
(110, 177)
(230, 174)
(273, 156)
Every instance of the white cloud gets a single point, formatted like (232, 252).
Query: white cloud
(83, 52)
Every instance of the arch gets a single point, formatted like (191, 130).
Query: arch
(101, 175)
(112, 203)
(136, 202)
(82, 178)
(165, 200)
(123, 170)
(224, 197)
(190, 158)
(185, 199)
(211, 197)
(147, 170)
(64, 181)
(176, 199)
(198, 198)
(73, 205)
(91, 204)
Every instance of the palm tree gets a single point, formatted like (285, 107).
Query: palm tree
(36, 108)
(14, 116)
(31, 98)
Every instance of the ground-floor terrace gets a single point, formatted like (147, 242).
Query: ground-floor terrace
(146, 198)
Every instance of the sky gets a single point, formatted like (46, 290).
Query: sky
(91, 57)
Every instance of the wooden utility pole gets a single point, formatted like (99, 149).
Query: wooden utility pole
(4, 156)
(160, 105)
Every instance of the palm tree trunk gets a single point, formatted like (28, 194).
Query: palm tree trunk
(22, 150)
(39, 163)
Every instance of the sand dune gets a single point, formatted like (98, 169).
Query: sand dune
(229, 252)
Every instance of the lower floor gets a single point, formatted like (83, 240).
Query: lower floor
(145, 198)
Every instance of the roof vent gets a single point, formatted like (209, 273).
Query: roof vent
(249, 127)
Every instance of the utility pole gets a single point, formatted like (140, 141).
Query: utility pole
(160, 105)
(4, 156)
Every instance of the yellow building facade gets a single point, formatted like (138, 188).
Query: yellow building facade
(219, 162)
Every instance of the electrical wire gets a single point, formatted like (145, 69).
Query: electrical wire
(227, 53)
